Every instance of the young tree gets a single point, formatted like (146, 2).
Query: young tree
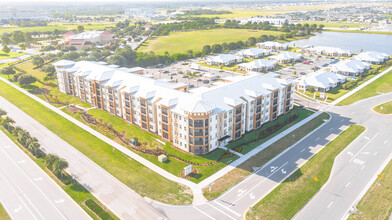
(26, 79)
(8, 71)
(50, 159)
(6, 49)
(5, 40)
(38, 61)
(22, 46)
(2, 112)
(207, 49)
(8, 121)
(80, 28)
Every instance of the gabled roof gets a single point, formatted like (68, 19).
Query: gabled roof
(371, 56)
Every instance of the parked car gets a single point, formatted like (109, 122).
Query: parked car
(199, 80)
(185, 76)
(172, 74)
(166, 71)
(206, 81)
(325, 64)
(191, 86)
(302, 73)
(305, 62)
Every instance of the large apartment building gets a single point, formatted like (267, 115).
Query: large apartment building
(196, 122)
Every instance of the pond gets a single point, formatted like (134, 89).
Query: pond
(349, 41)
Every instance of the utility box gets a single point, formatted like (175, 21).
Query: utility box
(162, 158)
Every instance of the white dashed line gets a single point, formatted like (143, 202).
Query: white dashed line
(329, 205)
(347, 184)
(302, 150)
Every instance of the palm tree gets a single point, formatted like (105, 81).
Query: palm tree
(8, 121)
(23, 136)
(31, 140)
(34, 146)
(50, 159)
(17, 130)
(59, 166)
(2, 112)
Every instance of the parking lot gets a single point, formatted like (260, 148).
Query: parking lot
(311, 64)
(182, 72)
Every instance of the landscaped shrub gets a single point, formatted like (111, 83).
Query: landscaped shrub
(93, 206)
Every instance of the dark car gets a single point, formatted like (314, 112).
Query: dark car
(206, 81)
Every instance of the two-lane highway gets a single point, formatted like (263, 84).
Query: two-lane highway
(27, 192)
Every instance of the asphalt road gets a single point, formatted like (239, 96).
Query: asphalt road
(27, 192)
(116, 196)
(357, 167)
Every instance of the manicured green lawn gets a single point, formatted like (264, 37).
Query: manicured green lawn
(381, 85)
(253, 135)
(58, 26)
(3, 214)
(9, 55)
(149, 140)
(246, 168)
(232, 67)
(180, 42)
(293, 193)
(29, 68)
(385, 108)
(138, 177)
(377, 202)
(75, 190)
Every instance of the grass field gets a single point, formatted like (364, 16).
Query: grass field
(9, 55)
(244, 169)
(377, 202)
(3, 213)
(385, 108)
(180, 42)
(293, 193)
(76, 191)
(381, 85)
(139, 178)
(58, 26)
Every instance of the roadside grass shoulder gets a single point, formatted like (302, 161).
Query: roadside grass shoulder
(293, 193)
(143, 180)
(9, 55)
(3, 214)
(75, 190)
(381, 85)
(377, 202)
(385, 108)
(243, 170)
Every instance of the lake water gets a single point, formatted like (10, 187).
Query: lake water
(349, 41)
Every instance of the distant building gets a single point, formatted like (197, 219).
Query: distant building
(321, 81)
(223, 59)
(22, 14)
(350, 67)
(87, 38)
(272, 45)
(253, 53)
(197, 122)
(272, 21)
(259, 65)
(372, 57)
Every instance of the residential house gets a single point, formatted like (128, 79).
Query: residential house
(350, 67)
(330, 51)
(223, 59)
(372, 57)
(272, 45)
(260, 65)
(321, 81)
(253, 53)
(287, 57)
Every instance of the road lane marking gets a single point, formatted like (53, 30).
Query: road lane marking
(302, 150)
(358, 161)
(240, 192)
(35, 185)
(260, 182)
(228, 209)
(204, 213)
(342, 120)
(375, 153)
(21, 161)
(38, 179)
(317, 138)
(362, 167)
(283, 171)
(329, 205)
(18, 209)
(252, 196)
(220, 211)
(347, 184)
(6, 147)
(59, 201)
(386, 141)
(330, 129)
(366, 153)
(363, 147)
(366, 138)
(349, 153)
